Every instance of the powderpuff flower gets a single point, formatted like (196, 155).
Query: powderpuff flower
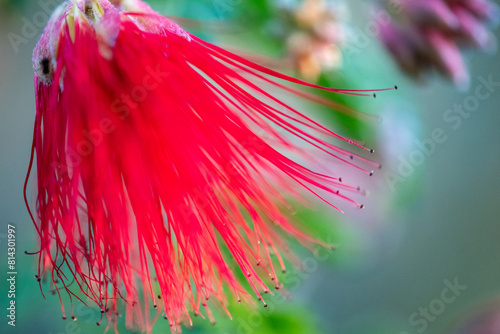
(429, 34)
(162, 165)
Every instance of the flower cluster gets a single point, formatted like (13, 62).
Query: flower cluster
(317, 33)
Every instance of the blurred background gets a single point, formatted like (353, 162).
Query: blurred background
(424, 255)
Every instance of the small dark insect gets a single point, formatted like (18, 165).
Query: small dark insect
(45, 63)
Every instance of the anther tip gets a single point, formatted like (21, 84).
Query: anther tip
(361, 206)
(395, 87)
(371, 173)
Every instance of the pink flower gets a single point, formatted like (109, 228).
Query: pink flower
(429, 34)
(157, 153)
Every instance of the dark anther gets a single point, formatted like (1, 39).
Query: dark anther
(395, 87)
(88, 11)
(372, 150)
(64, 318)
(159, 297)
(340, 179)
(371, 173)
(352, 157)
(361, 206)
(73, 317)
(98, 324)
(155, 306)
(45, 63)
(374, 95)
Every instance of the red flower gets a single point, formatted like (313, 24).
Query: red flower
(157, 152)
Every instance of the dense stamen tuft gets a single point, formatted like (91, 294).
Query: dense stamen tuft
(197, 164)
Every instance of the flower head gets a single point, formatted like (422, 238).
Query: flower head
(160, 161)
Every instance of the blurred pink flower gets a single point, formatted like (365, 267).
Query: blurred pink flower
(429, 34)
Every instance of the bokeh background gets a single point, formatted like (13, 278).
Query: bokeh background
(431, 219)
